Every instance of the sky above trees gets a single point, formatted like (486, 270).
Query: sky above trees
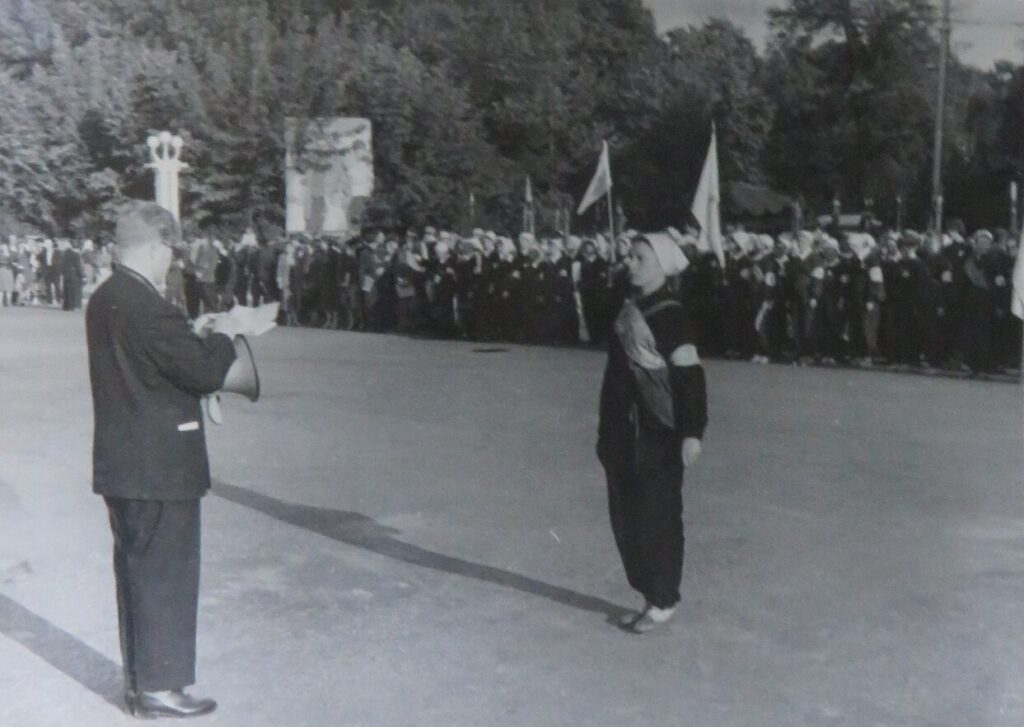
(979, 45)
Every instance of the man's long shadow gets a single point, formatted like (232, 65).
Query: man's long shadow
(62, 651)
(363, 532)
(103, 677)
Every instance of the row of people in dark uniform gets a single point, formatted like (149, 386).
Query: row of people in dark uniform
(906, 299)
(482, 287)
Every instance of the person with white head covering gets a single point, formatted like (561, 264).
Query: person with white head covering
(506, 277)
(538, 295)
(593, 290)
(604, 250)
(488, 245)
(979, 304)
(742, 240)
(741, 299)
(441, 291)
(773, 272)
(904, 279)
(653, 413)
(469, 273)
(565, 323)
(670, 255)
(526, 242)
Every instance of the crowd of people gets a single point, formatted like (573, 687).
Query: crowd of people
(891, 298)
(37, 271)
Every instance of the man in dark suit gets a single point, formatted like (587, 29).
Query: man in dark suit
(72, 274)
(148, 371)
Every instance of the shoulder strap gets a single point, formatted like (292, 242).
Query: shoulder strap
(660, 306)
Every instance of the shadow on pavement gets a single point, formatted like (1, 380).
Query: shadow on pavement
(363, 532)
(62, 651)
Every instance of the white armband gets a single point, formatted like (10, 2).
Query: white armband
(685, 355)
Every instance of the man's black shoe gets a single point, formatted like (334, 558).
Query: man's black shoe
(174, 703)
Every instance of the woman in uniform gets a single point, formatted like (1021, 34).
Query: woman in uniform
(652, 418)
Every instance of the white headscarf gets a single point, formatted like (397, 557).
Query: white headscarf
(670, 256)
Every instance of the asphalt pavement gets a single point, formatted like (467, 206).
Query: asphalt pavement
(414, 532)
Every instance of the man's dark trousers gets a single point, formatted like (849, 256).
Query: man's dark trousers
(156, 567)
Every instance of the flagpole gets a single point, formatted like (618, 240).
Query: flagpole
(611, 222)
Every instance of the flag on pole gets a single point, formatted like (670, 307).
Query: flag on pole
(601, 184)
(705, 203)
(1017, 304)
(528, 221)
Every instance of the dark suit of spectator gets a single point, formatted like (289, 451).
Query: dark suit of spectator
(72, 275)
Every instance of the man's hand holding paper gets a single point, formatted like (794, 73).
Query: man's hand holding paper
(239, 321)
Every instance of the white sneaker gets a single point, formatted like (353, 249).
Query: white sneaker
(660, 615)
(652, 618)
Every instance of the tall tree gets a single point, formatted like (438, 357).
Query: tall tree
(854, 82)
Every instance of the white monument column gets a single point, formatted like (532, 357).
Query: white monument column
(165, 155)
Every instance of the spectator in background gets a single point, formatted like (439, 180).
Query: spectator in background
(72, 275)
(285, 266)
(408, 272)
(174, 284)
(267, 272)
(205, 259)
(242, 273)
(224, 276)
(8, 291)
(49, 273)
(979, 305)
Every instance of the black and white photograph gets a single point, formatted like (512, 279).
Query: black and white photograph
(517, 363)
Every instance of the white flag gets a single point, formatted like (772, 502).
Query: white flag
(706, 201)
(601, 184)
(1017, 304)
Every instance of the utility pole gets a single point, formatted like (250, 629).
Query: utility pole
(1013, 208)
(945, 30)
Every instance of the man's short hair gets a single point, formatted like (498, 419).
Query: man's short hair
(144, 222)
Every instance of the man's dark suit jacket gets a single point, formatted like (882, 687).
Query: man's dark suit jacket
(71, 264)
(148, 371)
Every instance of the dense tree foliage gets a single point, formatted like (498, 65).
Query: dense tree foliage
(473, 96)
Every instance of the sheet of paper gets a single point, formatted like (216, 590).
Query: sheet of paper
(256, 321)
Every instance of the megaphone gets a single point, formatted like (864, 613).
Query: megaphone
(242, 378)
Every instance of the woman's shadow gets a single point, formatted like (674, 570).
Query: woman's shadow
(358, 530)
